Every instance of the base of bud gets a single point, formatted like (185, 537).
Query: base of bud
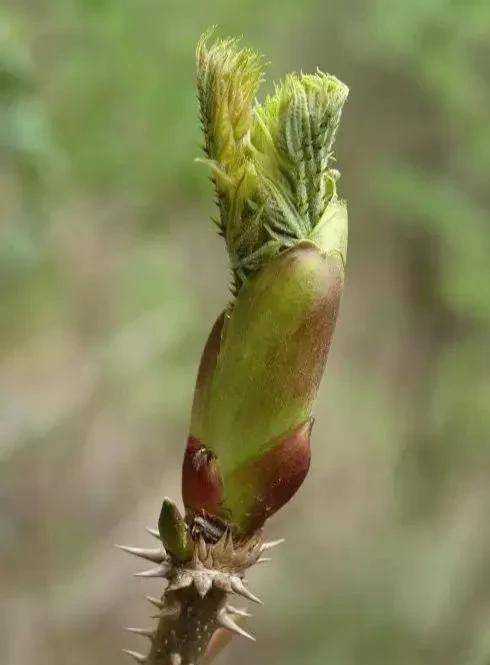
(194, 606)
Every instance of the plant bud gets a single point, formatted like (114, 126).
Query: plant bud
(286, 234)
(173, 531)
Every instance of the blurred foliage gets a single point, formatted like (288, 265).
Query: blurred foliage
(111, 277)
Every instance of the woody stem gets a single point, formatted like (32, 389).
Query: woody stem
(183, 640)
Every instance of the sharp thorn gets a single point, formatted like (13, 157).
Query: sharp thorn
(139, 658)
(225, 620)
(159, 571)
(238, 587)
(264, 559)
(156, 601)
(155, 555)
(154, 532)
(273, 543)
(237, 611)
(145, 632)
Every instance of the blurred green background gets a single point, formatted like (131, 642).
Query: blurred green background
(111, 275)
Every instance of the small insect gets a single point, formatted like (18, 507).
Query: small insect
(210, 530)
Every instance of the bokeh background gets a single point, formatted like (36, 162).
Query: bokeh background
(110, 277)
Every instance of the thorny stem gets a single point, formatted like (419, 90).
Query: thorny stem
(194, 610)
(248, 448)
(183, 641)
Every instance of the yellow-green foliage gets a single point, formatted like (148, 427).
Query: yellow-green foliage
(271, 163)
